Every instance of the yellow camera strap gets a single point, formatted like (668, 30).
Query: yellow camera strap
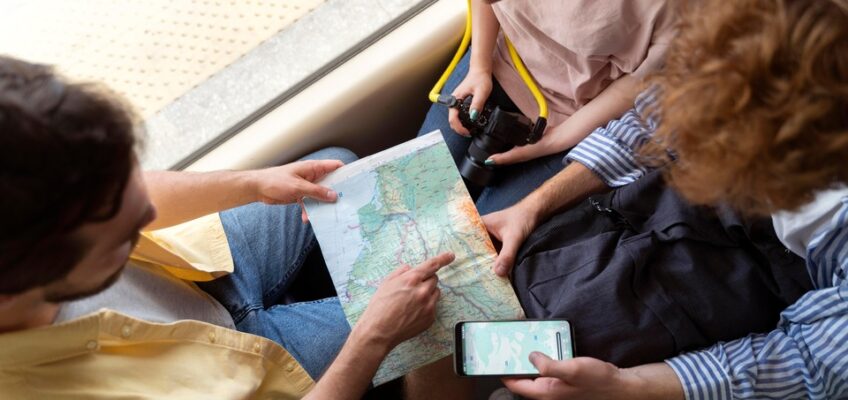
(516, 60)
(463, 46)
(528, 79)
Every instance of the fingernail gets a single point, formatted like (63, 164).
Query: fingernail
(537, 356)
(489, 162)
(331, 194)
(473, 114)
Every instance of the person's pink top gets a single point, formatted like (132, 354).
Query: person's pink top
(575, 48)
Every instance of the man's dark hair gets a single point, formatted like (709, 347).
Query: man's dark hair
(66, 154)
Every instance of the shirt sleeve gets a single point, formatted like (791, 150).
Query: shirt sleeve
(195, 250)
(804, 358)
(799, 360)
(611, 151)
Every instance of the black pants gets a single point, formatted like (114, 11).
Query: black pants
(643, 276)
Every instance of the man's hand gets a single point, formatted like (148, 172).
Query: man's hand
(477, 83)
(404, 304)
(579, 378)
(511, 227)
(289, 183)
(292, 182)
(589, 378)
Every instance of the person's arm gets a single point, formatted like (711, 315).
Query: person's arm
(614, 100)
(403, 306)
(484, 36)
(513, 225)
(478, 80)
(611, 103)
(606, 159)
(351, 372)
(589, 378)
(805, 357)
(182, 196)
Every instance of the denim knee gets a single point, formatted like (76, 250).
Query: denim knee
(333, 153)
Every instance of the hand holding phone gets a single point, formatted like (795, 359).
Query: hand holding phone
(502, 348)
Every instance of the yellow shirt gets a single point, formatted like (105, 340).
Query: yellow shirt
(111, 355)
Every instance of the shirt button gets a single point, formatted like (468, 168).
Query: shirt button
(257, 347)
(126, 331)
(212, 337)
(289, 367)
(91, 345)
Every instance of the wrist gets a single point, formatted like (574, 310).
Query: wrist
(364, 337)
(651, 381)
(480, 64)
(480, 70)
(630, 382)
(531, 209)
(250, 183)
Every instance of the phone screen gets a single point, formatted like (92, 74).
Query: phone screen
(504, 347)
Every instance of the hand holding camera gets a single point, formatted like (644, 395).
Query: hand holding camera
(477, 83)
(493, 131)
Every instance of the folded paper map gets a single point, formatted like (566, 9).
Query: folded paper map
(402, 206)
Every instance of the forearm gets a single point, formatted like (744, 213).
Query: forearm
(652, 381)
(484, 36)
(350, 374)
(610, 104)
(183, 196)
(570, 186)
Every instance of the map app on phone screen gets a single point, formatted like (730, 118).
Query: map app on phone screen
(504, 347)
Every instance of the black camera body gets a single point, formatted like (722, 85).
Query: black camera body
(494, 131)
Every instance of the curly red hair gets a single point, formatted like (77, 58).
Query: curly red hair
(754, 103)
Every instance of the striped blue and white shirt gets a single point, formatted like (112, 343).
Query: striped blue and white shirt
(806, 356)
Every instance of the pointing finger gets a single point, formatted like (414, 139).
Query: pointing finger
(399, 271)
(428, 268)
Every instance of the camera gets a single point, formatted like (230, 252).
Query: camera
(494, 131)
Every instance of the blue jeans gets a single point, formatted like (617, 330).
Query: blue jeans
(269, 245)
(512, 182)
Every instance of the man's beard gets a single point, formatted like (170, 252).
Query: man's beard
(61, 296)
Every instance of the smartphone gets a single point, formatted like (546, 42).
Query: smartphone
(502, 348)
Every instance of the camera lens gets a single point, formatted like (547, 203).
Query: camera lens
(476, 173)
(473, 167)
(495, 131)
